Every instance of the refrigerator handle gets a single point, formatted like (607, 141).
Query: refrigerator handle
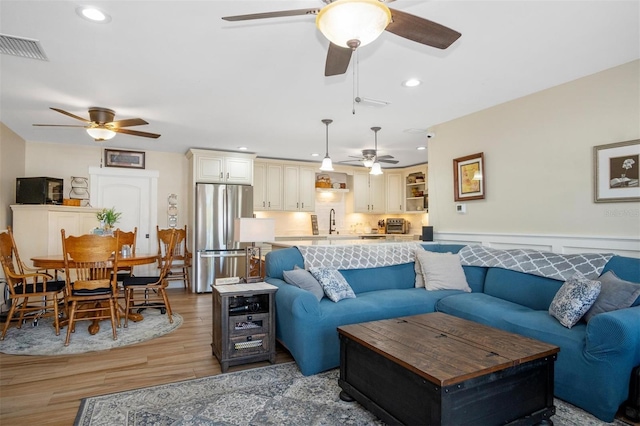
(224, 215)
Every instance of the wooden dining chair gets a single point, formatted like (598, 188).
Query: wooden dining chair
(126, 238)
(31, 294)
(150, 292)
(92, 262)
(181, 256)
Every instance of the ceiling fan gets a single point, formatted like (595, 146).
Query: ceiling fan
(370, 156)
(349, 24)
(101, 126)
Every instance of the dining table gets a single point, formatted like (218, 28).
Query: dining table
(56, 262)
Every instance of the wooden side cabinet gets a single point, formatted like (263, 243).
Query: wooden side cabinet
(243, 324)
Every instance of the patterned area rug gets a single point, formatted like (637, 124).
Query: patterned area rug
(272, 395)
(42, 339)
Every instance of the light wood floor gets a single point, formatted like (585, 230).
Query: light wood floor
(46, 390)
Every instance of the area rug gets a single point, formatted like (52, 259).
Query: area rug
(42, 339)
(272, 395)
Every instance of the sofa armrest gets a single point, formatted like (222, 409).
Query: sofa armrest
(615, 332)
(297, 302)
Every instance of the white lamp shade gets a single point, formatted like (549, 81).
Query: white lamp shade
(101, 134)
(367, 163)
(326, 166)
(251, 230)
(344, 20)
(376, 169)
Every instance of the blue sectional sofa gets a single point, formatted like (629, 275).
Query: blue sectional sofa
(595, 360)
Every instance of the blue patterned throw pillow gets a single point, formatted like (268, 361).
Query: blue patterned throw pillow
(333, 283)
(574, 299)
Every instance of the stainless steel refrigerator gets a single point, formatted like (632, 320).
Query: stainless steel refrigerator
(217, 255)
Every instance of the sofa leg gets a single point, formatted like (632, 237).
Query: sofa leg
(632, 405)
(346, 397)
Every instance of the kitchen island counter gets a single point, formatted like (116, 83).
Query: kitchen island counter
(292, 243)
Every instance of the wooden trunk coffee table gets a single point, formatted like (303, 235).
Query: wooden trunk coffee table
(436, 369)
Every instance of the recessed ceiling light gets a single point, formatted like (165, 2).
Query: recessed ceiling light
(242, 148)
(421, 148)
(415, 131)
(315, 154)
(93, 14)
(412, 82)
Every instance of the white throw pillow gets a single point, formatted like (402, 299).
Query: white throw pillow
(418, 268)
(442, 271)
(333, 283)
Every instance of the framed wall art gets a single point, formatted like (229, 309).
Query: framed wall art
(468, 177)
(129, 159)
(616, 172)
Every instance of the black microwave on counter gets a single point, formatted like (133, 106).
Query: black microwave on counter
(39, 190)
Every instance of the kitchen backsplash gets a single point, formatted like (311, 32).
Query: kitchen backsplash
(299, 223)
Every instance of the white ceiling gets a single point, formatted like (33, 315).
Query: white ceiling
(207, 83)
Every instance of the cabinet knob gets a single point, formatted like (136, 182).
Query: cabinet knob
(221, 175)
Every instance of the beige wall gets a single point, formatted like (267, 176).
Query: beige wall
(64, 161)
(12, 159)
(539, 160)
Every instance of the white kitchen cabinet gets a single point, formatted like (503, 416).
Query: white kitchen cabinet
(395, 192)
(368, 193)
(299, 188)
(222, 167)
(267, 188)
(36, 228)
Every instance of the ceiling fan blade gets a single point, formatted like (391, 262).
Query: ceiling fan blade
(60, 125)
(128, 122)
(349, 161)
(338, 59)
(388, 161)
(61, 111)
(135, 133)
(421, 30)
(279, 14)
(384, 156)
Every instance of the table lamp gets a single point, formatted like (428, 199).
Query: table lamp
(252, 230)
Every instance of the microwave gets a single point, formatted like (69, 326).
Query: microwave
(39, 190)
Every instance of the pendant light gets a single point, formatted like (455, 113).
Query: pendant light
(100, 133)
(326, 163)
(375, 167)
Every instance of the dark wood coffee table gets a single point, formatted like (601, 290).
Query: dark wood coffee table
(436, 369)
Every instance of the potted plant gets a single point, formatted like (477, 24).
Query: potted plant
(108, 218)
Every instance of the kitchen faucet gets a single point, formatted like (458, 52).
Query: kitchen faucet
(332, 221)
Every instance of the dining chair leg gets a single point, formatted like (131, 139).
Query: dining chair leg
(8, 321)
(128, 295)
(113, 310)
(166, 304)
(70, 326)
(56, 320)
(25, 302)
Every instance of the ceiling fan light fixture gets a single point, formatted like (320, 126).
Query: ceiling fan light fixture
(376, 169)
(367, 162)
(100, 134)
(344, 21)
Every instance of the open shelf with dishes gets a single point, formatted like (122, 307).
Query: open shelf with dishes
(416, 195)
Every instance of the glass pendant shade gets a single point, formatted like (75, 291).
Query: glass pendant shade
(344, 20)
(376, 169)
(326, 166)
(100, 134)
(367, 163)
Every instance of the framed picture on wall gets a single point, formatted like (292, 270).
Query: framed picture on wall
(616, 172)
(129, 159)
(468, 177)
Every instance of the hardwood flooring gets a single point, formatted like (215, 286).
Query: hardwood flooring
(46, 390)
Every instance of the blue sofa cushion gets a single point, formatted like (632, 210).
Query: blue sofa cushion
(389, 277)
(518, 287)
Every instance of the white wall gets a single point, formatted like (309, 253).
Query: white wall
(538, 154)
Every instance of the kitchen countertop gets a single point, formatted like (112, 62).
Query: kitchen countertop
(342, 236)
(293, 243)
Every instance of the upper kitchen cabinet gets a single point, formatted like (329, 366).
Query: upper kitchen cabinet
(267, 188)
(222, 166)
(368, 193)
(299, 188)
(395, 192)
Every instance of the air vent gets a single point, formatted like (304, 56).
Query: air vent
(20, 46)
